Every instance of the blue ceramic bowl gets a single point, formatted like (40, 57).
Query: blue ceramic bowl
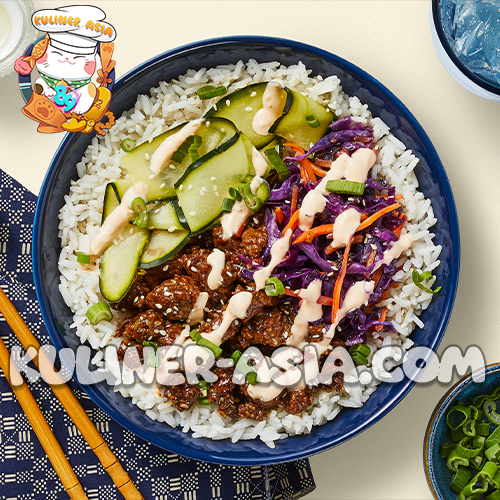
(438, 475)
(434, 183)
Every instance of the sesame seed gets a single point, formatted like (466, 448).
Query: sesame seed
(165, 269)
(190, 187)
(171, 229)
(202, 193)
(215, 187)
(192, 213)
(169, 310)
(204, 189)
(207, 123)
(256, 221)
(217, 193)
(230, 274)
(253, 94)
(194, 269)
(213, 178)
(248, 108)
(222, 129)
(159, 306)
(181, 187)
(172, 167)
(228, 102)
(162, 185)
(152, 176)
(146, 156)
(136, 299)
(131, 231)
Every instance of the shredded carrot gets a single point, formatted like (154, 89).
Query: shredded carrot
(377, 275)
(305, 162)
(370, 220)
(397, 230)
(280, 215)
(240, 230)
(356, 239)
(318, 171)
(383, 314)
(325, 301)
(293, 223)
(312, 233)
(303, 173)
(323, 163)
(397, 197)
(338, 282)
(370, 261)
(295, 196)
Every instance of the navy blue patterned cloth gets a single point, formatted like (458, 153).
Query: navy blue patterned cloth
(25, 471)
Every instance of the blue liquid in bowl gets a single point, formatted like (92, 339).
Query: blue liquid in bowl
(472, 30)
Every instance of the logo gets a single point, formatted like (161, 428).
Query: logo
(66, 77)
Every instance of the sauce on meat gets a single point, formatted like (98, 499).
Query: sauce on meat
(162, 156)
(278, 251)
(197, 315)
(117, 219)
(217, 259)
(273, 102)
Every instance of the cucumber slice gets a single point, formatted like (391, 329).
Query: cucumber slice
(118, 263)
(240, 107)
(164, 216)
(276, 144)
(213, 133)
(293, 126)
(224, 170)
(162, 246)
(111, 200)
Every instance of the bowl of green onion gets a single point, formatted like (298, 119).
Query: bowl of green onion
(462, 441)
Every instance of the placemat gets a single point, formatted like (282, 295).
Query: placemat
(25, 471)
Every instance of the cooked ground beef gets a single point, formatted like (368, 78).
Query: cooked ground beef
(135, 298)
(297, 401)
(271, 326)
(253, 242)
(183, 395)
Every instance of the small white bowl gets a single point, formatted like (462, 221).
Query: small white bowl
(452, 64)
(22, 32)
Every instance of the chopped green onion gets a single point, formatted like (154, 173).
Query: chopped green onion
(343, 186)
(277, 163)
(227, 204)
(419, 277)
(203, 385)
(193, 149)
(455, 461)
(493, 438)
(479, 483)
(152, 360)
(252, 201)
(493, 496)
(483, 429)
(457, 416)
(445, 449)
(359, 359)
(362, 349)
(274, 287)
(203, 401)
(463, 450)
(234, 193)
(128, 144)
(489, 407)
(460, 479)
(83, 258)
(248, 370)
(210, 91)
(138, 205)
(457, 435)
(312, 121)
(99, 312)
(491, 452)
(477, 461)
(196, 336)
(183, 149)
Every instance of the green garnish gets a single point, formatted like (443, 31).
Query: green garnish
(210, 91)
(203, 401)
(227, 204)
(277, 163)
(312, 121)
(343, 186)
(138, 205)
(99, 312)
(83, 258)
(128, 144)
(252, 201)
(193, 149)
(196, 337)
(460, 479)
(183, 149)
(248, 370)
(152, 361)
(274, 287)
(234, 193)
(419, 277)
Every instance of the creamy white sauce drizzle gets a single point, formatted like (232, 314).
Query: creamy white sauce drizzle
(197, 314)
(217, 260)
(117, 219)
(345, 226)
(314, 202)
(398, 247)
(278, 251)
(236, 309)
(162, 156)
(234, 219)
(259, 163)
(352, 168)
(273, 102)
(356, 296)
(309, 311)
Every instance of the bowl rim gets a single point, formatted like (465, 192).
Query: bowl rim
(436, 16)
(438, 413)
(321, 445)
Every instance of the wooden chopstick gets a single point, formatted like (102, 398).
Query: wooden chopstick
(41, 428)
(70, 403)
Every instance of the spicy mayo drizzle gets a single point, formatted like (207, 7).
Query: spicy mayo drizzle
(273, 102)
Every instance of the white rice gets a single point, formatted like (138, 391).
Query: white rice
(171, 104)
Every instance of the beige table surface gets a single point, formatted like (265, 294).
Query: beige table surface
(391, 41)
